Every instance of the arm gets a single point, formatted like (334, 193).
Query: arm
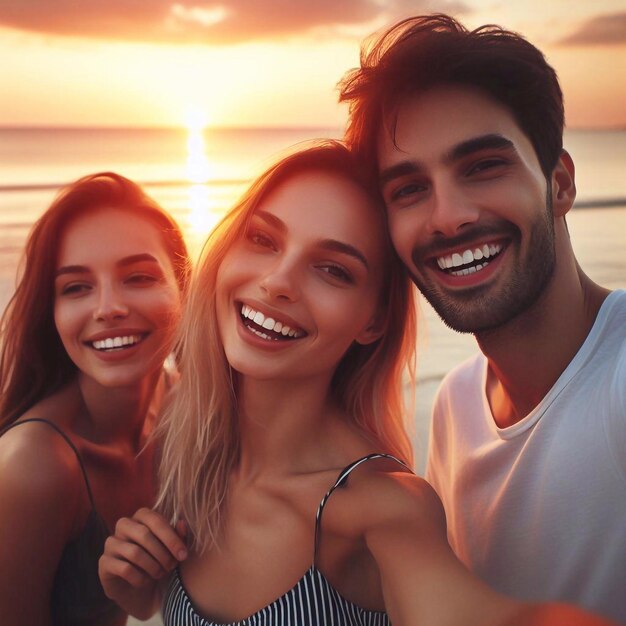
(40, 487)
(137, 558)
(424, 583)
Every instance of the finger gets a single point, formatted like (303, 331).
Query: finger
(164, 531)
(182, 529)
(111, 569)
(139, 557)
(135, 542)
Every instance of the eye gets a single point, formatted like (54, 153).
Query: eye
(74, 289)
(260, 239)
(485, 165)
(407, 192)
(142, 279)
(337, 272)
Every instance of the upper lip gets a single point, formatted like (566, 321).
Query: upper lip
(115, 332)
(269, 311)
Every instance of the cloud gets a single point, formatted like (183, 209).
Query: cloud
(206, 21)
(599, 30)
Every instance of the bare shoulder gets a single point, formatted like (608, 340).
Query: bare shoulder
(382, 493)
(38, 465)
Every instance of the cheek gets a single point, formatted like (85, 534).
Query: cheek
(403, 233)
(66, 321)
(166, 309)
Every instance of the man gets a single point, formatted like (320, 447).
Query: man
(528, 440)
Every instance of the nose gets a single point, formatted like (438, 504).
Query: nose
(451, 210)
(281, 281)
(110, 304)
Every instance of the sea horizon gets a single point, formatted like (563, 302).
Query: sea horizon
(198, 174)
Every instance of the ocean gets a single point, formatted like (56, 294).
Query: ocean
(197, 175)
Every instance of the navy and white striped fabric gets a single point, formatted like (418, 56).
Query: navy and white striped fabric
(312, 601)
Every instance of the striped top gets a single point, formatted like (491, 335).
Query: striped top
(312, 601)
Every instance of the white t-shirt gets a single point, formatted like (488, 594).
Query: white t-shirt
(538, 509)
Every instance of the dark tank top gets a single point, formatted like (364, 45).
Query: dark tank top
(312, 601)
(77, 595)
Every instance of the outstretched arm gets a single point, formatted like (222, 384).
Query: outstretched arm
(424, 583)
(137, 558)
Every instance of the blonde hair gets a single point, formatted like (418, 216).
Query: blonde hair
(199, 429)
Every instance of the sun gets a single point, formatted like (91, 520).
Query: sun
(195, 119)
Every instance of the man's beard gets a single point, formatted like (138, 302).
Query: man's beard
(486, 307)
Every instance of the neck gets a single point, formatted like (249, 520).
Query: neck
(528, 354)
(285, 426)
(123, 415)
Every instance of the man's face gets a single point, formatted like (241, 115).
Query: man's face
(468, 205)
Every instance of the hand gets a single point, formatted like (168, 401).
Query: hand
(144, 549)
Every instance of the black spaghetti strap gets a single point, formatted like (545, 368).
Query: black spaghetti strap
(69, 443)
(341, 480)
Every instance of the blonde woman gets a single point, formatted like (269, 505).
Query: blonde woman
(300, 324)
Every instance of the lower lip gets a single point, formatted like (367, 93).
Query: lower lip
(258, 342)
(474, 279)
(111, 356)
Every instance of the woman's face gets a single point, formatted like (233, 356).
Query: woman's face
(303, 283)
(117, 301)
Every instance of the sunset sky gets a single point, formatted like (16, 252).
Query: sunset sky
(263, 63)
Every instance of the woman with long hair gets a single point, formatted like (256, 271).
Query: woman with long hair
(84, 340)
(286, 493)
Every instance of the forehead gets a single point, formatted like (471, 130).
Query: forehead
(427, 125)
(109, 234)
(319, 205)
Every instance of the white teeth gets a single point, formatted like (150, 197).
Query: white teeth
(111, 343)
(268, 323)
(468, 256)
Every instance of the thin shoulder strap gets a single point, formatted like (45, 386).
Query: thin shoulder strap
(340, 482)
(69, 443)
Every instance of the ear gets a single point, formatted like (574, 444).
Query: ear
(373, 331)
(563, 185)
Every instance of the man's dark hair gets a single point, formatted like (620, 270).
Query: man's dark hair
(426, 51)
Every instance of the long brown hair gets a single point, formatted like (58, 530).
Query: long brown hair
(200, 427)
(33, 361)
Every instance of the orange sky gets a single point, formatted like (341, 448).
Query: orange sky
(253, 63)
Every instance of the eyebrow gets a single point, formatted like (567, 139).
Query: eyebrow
(332, 245)
(476, 144)
(271, 219)
(492, 141)
(339, 246)
(125, 262)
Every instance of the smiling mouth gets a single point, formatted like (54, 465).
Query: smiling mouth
(471, 260)
(115, 344)
(267, 327)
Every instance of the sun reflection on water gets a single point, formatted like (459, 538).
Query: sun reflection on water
(203, 212)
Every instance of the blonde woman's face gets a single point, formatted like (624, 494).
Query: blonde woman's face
(303, 284)
(117, 301)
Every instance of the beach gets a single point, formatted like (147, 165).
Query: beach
(198, 176)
